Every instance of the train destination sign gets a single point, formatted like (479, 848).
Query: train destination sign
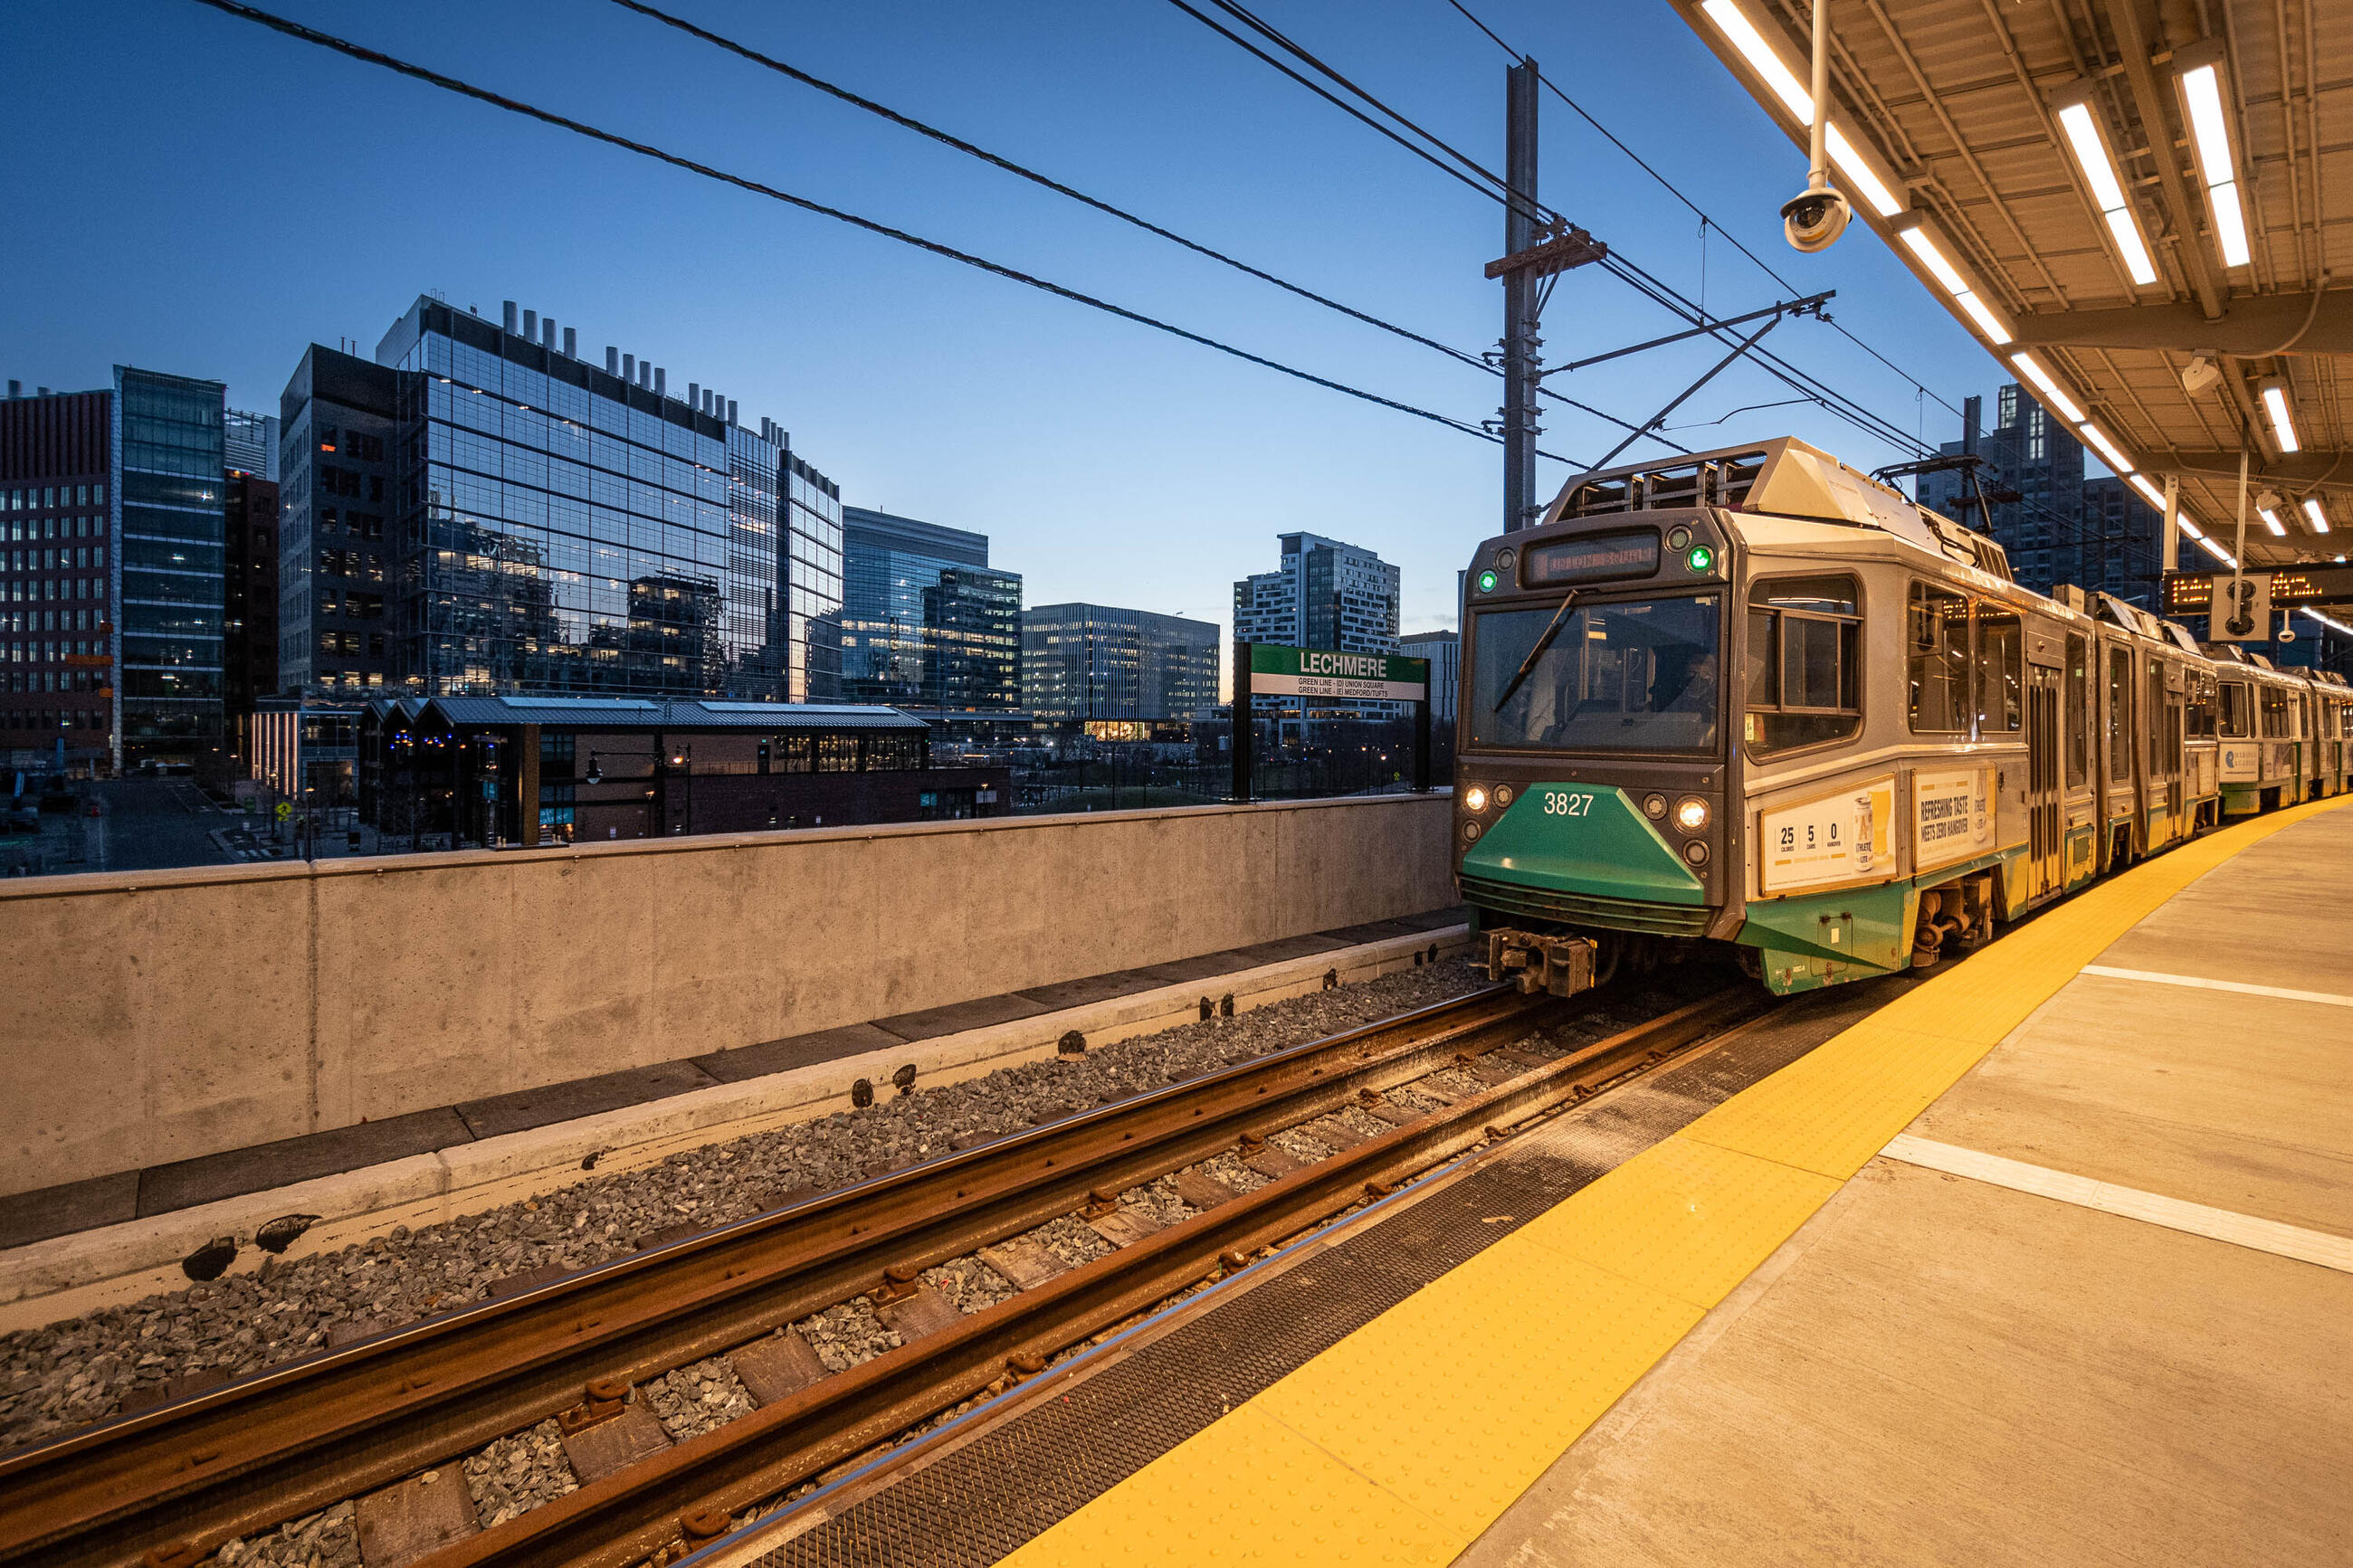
(1328, 672)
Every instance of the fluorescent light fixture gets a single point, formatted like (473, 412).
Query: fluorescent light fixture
(2274, 396)
(2210, 132)
(1769, 61)
(1918, 240)
(1762, 57)
(2092, 156)
(2105, 447)
(2272, 522)
(2187, 527)
(2147, 488)
(2032, 369)
(2218, 552)
(1859, 174)
(2312, 514)
(2333, 625)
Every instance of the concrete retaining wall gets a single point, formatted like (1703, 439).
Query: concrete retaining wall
(150, 1016)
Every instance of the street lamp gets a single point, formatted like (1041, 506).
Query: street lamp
(679, 758)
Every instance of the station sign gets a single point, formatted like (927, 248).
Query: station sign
(2313, 583)
(1328, 672)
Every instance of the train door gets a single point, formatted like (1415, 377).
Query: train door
(2045, 823)
(2119, 801)
(2161, 719)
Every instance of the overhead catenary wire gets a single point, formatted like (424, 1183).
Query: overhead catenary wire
(1706, 219)
(297, 30)
(1491, 184)
(1811, 387)
(948, 139)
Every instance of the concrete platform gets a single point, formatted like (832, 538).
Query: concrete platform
(2048, 1260)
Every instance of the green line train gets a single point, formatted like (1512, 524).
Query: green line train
(1758, 700)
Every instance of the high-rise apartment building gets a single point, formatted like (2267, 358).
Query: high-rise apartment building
(2098, 533)
(1325, 595)
(249, 444)
(1103, 665)
(111, 613)
(1444, 651)
(248, 595)
(925, 621)
(480, 511)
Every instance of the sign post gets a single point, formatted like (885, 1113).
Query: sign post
(1245, 723)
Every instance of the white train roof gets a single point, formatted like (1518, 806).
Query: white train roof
(1781, 478)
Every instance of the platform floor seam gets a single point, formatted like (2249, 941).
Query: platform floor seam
(1466, 1433)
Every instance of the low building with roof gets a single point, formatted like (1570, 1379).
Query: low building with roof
(533, 771)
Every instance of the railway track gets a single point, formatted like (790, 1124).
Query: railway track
(168, 1486)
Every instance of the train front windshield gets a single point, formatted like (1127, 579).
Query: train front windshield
(1640, 676)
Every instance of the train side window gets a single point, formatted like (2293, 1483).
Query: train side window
(2238, 712)
(1999, 670)
(1805, 649)
(2079, 723)
(2276, 719)
(2162, 759)
(2119, 713)
(1937, 643)
(2199, 715)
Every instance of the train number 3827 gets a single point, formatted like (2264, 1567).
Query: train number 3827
(1567, 803)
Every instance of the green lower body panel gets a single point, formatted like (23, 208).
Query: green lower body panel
(1810, 940)
(2241, 800)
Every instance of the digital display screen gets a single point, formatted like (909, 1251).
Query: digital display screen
(1598, 558)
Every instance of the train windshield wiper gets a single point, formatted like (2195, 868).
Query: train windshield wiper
(1537, 652)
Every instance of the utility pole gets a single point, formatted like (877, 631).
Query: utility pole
(1521, 220)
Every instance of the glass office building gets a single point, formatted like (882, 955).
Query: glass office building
(549, 525)
(170, 496)
(1101, 664)
(926, 622)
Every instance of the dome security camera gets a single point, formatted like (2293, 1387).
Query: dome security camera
(2201, 373)
(1814, 221)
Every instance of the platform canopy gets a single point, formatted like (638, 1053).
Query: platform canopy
(2139, 207)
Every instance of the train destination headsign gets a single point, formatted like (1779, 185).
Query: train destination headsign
(1328, 672)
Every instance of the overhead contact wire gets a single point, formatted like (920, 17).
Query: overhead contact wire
(308, 35)
(949, 139)
(1676, 191)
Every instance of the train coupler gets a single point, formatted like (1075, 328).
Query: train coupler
(1562, 965)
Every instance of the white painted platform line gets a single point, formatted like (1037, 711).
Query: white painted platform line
(2197, 1220)
(2325, 998)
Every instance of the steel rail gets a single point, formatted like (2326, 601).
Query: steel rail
(643, 1510)
(307, 1434)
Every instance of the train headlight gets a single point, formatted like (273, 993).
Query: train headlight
(1654, 806)
(1691, 816)
(1475, 798)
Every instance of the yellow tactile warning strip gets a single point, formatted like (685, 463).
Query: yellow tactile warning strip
(1403, 1442)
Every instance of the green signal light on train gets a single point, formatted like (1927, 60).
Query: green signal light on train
(1487, 581)
(1701, 559)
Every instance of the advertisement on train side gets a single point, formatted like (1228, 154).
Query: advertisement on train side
(1952, 816)
(1844, 836)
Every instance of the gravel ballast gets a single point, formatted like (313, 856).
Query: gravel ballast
(70, 1374)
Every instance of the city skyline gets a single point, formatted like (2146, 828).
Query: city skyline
(817, 325)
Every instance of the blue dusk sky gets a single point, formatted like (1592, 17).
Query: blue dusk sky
(190, 193)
